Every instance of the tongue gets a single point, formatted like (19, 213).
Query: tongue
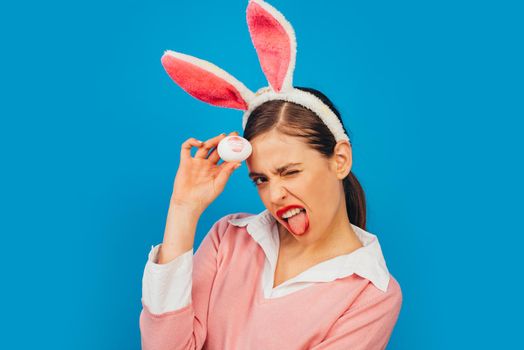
(298, 223)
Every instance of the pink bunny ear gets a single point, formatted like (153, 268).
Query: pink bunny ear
(275, 42)
(205, 81)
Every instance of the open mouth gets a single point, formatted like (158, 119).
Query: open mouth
(287, 219)
(295, 229)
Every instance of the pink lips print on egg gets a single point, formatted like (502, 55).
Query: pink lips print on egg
(234, 148)
(236, 144)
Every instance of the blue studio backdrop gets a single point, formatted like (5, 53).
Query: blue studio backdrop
(91, 129)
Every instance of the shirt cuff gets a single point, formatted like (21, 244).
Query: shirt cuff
(167, 287)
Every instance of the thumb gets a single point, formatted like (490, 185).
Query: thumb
(225, 172)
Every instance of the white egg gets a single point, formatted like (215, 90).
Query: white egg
(234, 148)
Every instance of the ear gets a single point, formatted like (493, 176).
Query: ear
(275, 43)
(205, 81)
(342, 158)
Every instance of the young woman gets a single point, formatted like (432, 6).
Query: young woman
(303, 274)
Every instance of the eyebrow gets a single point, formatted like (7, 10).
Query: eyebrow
(276, 171)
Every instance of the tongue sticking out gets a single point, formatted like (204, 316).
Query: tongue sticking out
(298, 223)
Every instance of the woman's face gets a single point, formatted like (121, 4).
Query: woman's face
(313, 183)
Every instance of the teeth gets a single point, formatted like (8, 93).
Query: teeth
(291, 212)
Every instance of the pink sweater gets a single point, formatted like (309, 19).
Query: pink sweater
(228, 309)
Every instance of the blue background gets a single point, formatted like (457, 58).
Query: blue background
(91, 128)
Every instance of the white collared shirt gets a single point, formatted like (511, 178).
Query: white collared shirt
(167, 287)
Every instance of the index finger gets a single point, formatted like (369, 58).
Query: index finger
(185, 150)
(207, 145)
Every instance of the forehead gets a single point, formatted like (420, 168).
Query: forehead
(273, 149)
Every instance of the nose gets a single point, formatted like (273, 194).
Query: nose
(277, 192)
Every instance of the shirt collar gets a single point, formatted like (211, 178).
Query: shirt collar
(367, 261)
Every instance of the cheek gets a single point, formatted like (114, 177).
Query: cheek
(320, 191)
(309, 188)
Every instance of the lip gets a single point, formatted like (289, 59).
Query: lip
(283, 210)
(286, 208)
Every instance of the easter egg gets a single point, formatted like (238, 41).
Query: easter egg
(234, 148)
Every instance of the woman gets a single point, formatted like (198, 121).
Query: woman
(229, 295)
(302, 274)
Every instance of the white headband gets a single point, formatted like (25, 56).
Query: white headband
(305, 99)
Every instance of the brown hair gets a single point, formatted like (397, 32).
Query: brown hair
(295, 120)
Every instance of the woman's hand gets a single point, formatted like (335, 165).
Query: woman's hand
(199, 180)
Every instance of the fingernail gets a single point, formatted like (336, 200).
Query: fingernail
(237, 166)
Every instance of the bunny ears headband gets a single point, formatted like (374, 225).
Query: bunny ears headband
(275, 44)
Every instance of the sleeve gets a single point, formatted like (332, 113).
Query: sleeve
(367, 326)
(184, 327)
(167, 287)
